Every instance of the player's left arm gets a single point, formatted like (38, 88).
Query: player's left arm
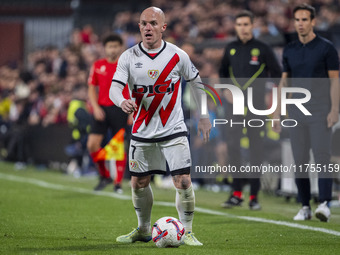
(204, 125)
(333, 115)
(272, 64)
(190, 73)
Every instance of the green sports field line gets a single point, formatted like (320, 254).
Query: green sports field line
(48, 185)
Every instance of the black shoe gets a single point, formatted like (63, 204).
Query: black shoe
(232, 201)
(254, 205)
(118, 189)
(103, 182)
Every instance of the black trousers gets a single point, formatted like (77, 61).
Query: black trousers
(255, 136)
(115, 120)
(312, 133)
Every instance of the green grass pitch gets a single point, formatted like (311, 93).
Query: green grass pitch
(46, 212)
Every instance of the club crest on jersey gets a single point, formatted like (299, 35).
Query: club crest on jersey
(254, 56)
(133, 164)
(153, 74)
(102, 69)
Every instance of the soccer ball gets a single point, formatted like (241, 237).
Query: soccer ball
(167, 232)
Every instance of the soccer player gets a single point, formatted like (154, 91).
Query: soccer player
(311, 56)
(153, 70)
(105, 114)
(246, 63)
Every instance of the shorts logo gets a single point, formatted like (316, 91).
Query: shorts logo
(133, 165)
(153, 74)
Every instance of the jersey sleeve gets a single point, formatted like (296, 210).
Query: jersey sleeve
(224, 67)
(285, 63)
(92, 76)
(332, 59)
(122, 72)
(189, 71)
(272, 64)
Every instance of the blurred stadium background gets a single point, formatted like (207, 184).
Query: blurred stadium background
(47, 48)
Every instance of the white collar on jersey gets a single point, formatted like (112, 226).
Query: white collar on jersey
(152, 50)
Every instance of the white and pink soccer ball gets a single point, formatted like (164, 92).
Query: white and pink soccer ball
(167, 232)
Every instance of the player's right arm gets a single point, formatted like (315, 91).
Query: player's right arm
(283, 83)
(224, 72)
(98, 112)
(332, 60)
(333, 115)
(277, 113)
(224, 67)
(116, 96)
(272, 63)
(120, 78)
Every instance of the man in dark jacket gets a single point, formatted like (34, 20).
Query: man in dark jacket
(247, 62)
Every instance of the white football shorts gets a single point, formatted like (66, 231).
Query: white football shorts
(151, 158)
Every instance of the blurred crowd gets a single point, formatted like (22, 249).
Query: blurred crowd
(38, 92)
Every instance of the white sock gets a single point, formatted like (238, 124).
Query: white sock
(185, 204)
(142, 200)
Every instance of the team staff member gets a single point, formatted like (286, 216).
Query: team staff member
(153, 70)
(311, 56)
(245, 62)
(105, 114)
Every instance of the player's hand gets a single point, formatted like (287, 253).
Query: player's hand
(276, 124)
(128, 106)
(227, 95)
(332, 118)
(204, 127)
(99, 113)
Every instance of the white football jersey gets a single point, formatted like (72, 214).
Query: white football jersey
(155, 85)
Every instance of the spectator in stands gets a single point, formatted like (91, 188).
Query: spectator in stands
(15, 138)
(79, 120)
